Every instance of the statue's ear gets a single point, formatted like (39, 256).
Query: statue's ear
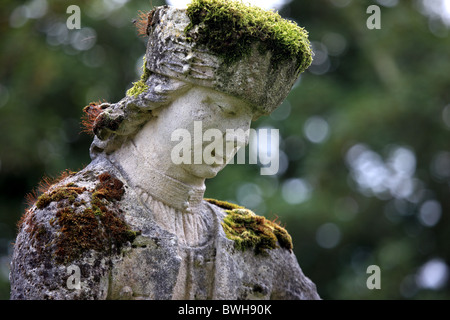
(91, 113)
(106, 124)
(143, 22)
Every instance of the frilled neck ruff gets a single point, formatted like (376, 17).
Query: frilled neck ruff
(148, 181)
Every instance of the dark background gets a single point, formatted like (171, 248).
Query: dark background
(365, 151)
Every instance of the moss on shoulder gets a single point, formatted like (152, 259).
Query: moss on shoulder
(67, 192)
(250, 231)
(98, 227)
(229, 28)
(224, 204)
(79, 225)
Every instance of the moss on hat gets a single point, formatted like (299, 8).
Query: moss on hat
(229, 28)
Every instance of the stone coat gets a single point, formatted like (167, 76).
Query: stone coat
(153, 264)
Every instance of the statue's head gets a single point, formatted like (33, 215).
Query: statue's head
(218, 62)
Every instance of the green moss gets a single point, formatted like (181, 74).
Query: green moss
(229, 28)
(224, 204)
(140, 86)
(249, 231)
(68, 192)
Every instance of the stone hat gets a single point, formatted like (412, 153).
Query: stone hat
(230, 47)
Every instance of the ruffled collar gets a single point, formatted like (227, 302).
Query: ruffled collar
(148, 181)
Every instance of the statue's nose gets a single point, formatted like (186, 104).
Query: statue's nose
(237, 132)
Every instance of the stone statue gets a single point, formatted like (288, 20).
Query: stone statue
(133, 224)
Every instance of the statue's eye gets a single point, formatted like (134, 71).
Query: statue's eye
(223, 106)
(226, 109)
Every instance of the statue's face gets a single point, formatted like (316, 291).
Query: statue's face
(197, 134)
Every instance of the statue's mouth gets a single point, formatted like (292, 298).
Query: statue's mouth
(220, 158)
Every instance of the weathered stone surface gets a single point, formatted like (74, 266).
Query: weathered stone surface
(133, 224)
(157, 264)
(253, 78)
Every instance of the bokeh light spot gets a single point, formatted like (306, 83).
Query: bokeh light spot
(328, 235)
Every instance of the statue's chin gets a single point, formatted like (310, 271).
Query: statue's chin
(205, 171)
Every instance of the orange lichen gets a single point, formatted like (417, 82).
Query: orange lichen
(110, 188)
(143, 21)
(91, 112)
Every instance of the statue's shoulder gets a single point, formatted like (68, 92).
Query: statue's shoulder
(79, 213)
(251, 231)
(76, 222)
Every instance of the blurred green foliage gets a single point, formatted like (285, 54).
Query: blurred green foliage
(365, 164)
